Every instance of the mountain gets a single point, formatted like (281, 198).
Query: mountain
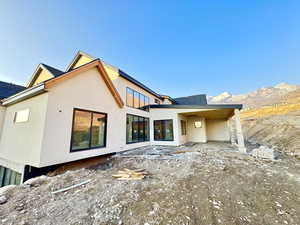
(261, 97)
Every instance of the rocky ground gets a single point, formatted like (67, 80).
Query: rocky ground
(197, 184)
(281, 131)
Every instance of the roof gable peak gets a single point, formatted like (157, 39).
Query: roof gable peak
(42, 73)
(77, 57)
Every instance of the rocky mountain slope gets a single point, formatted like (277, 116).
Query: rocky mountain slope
(271, 116)
(260, 97)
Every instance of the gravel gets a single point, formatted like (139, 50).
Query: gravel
(204, 184)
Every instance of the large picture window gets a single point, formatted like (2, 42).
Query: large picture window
(89, 130)
(136, 100)
(163, 130)
(137, 129)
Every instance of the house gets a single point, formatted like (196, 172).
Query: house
(93, 109)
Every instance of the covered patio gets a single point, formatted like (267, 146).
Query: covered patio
(201, 123)
(220, 124)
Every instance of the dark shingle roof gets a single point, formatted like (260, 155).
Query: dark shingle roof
(54, 71)
(8, 89)
(191, 100)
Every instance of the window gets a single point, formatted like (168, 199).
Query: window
(136, 100)
(21, 116)
(89, 130)
(137, 129)
(163, 130)
(183, 127)
(129, 97)
(156, 101)
(8, 177)
(198, 124)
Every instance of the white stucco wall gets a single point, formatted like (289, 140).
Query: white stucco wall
(22, 142)
(12, 165)
(164, 114)
(2, 115)
(217, 130)
(85, 91)
(182, 139)
(196, 134)
(193, 134)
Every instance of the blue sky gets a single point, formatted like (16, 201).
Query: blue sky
(175, 47)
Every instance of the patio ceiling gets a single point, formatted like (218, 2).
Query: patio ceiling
(211, 113)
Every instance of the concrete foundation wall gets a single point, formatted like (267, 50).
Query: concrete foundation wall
(217, 130)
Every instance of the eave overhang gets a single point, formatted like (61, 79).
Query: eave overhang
(208, 106)
(27, 93)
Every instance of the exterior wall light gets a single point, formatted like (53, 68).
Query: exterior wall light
(198, 124)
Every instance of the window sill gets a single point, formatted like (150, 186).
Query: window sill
(87, 149)
(163, 140)
(129, 143)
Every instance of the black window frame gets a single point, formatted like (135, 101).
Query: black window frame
(163, 121)
(90, 138)
(146, 133)
(141, 96)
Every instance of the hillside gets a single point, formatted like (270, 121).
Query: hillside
(260, 97)
(273, 119)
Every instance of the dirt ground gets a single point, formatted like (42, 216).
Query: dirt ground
(203, 184)
(281, 131)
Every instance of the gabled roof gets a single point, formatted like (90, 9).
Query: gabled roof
(8, 89)
(95, 63)
(121, 73)
(77, 57)
(191, 100)
(51, 70)
(55, 72)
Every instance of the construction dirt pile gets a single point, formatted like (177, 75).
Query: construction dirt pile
(280, 131)
(195, 184)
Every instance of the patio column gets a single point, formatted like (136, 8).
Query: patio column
(239, 132)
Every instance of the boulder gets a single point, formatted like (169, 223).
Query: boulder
(3, 199)
(4, 190)
(264, 153)
(37, 181)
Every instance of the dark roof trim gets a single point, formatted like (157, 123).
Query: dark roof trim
(210, 106)
(55, 72)
(131, 79)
